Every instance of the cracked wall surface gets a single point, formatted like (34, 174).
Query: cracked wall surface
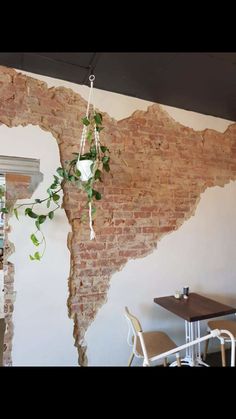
(159, 168)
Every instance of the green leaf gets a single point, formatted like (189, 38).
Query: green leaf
(41, 219)
(98, 196)
(60, 171)
(56, 179)
(48, 203)
(55, 197)
(106, 167)
(85, 121)
(37, 224)
(51, 215)
(49, 192)
(98, 118)
(97, 174)
(90, 192)
(2, 191)
(89, 136)
(53, 186)
(87, 156)
(93, 150)
(4, 210)
(94, 209)
(104, 148)
(99, 128)
(78, 173)
(30, 213)
(105, 159)
(66, 175)
(37, 256)
(34, 240)
(16, 213)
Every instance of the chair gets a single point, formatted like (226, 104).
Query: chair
(229, 325)
(147, 345)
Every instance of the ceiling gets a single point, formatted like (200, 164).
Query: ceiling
(197, 81)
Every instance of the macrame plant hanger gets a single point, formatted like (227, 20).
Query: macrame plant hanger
(97, 143)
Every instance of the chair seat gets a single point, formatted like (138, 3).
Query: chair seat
(229, 325)
(156, 343)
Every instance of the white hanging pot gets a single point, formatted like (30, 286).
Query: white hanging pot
(84, 166)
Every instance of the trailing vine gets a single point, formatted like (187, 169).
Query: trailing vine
(100, 157)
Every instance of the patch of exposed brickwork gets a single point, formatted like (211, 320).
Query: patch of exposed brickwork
(159, 168)
(17, 187)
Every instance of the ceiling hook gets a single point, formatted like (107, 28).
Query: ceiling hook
(91, 78)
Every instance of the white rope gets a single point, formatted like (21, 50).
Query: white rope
(90, 97)
(84, 132)
(85, 128)
(97, 145)
(82, 141)
(96, 133)
(92, 232)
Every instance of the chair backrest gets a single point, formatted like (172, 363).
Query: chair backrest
(137, 332)
(133, 322)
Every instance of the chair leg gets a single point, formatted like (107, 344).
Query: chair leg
(223, 355)
(206, 350)
(130, 359)
(178, 361)
(165, 362)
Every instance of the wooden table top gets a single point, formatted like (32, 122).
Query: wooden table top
(196, 307)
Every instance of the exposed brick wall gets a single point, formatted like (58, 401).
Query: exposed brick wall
(159, 168)
(17, 187)
(9, 299)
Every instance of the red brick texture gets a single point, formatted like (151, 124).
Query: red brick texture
(17, 187)
(159, 168)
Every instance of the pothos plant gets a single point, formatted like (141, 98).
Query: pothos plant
(98, 157)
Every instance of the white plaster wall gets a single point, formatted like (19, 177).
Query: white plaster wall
(43, 333)
(200, 253)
